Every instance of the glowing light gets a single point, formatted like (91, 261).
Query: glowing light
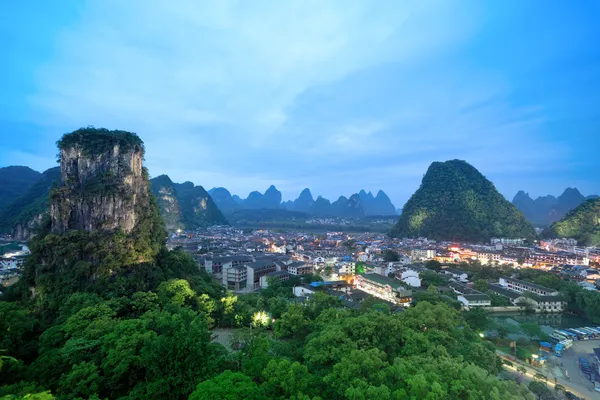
(481, 335)
(261, 319)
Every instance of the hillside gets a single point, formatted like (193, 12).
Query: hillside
(168, 202)
(15, 181)
(197, 207)
(456, 202)
(582, 224)
(24, 215)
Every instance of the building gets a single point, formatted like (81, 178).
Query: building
(346, 268)
(551, 302)
(542, 258)
(235, 278)
(470, 297)
(303, 291)
(387, 289)
(422, 254)
(456, 274)
(520, 286)
(257, 269)
(300, 268)
(276, 276)
(408, 276)
(215, 265)
(508, 241)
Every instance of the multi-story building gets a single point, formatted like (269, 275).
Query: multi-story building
(408, 276)
(300, 268)
(553, 259)
(387, 289)
(526, 294)
(508, 241)
(520, 286)
(487, 257)
(257, 269)
(235, 278)
(422, 254)
(215, 265)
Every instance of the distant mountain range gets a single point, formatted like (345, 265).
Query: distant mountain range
(356, 206)
(546, 210)
(456, 202)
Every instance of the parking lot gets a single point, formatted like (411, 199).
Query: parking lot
(569, 362)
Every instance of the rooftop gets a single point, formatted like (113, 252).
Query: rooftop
(530, 284)
(383, 280)
(260, 264)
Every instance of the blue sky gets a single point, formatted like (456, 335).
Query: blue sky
(332, 95)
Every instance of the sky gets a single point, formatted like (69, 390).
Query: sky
(336, 96)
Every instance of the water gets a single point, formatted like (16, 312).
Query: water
(555, 321)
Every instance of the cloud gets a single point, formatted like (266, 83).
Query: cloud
(324, 94)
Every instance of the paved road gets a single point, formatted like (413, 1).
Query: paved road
(577, 389)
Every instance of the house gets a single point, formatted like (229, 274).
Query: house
(456, 274)
(470, 297)
(408, 276)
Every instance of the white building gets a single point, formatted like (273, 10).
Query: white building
(422, 254)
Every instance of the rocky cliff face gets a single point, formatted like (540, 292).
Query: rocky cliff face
(102, 182)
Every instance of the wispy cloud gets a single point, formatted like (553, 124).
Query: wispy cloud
(330, 95)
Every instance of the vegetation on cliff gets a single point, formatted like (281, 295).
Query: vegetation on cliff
(582, 224)
(96, 141)
(456, 202)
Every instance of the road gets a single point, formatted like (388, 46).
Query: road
(579, 390)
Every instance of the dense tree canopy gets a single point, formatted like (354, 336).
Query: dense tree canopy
(582, 223)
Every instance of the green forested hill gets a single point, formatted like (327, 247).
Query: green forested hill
(197, 207)
(15, 181)
(582, 223)
(26, 209)
(456, 202)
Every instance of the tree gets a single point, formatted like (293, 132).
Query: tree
(292, 323)
(285, 379)
(227, 386)
(390, 256)
(541, 390)
(477, 318)
(433, 265)
(480, 285)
